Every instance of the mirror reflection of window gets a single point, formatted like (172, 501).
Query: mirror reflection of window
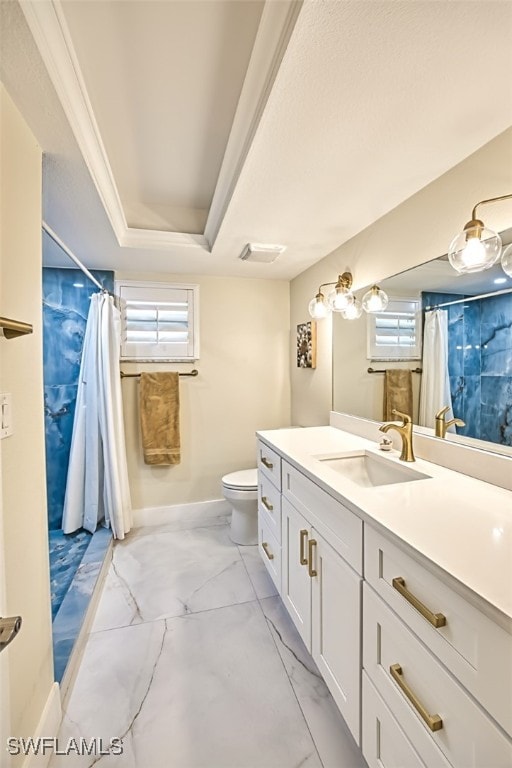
(479, 308)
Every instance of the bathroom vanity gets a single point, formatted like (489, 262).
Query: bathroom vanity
(399, 580)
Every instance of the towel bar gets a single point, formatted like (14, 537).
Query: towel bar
(13, 328)
(195, 372)
(383, 370)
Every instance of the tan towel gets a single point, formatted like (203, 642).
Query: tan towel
(397, 392)
(159, 403)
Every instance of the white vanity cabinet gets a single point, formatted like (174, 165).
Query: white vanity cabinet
(269, 511)
(419, 666)
(320, 589)
(424, 648)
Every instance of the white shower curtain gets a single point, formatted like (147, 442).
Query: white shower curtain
(435, 383)
(97, 483)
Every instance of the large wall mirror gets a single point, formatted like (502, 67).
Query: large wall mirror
(478, 311)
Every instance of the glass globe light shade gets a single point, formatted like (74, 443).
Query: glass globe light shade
(475, 249)
(506, 260)
(340, 298)
(318, 307)
(375, 300)
(354, 311)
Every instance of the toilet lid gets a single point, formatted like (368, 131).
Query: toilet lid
(245, 478)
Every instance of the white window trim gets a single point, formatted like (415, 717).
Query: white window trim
(415, 352)
(195, 319)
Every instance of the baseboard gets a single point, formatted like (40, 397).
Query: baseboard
(197, 510)
(48, 726)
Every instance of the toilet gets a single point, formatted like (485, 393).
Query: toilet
(241, 490)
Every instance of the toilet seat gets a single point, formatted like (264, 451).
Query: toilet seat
(244, 480)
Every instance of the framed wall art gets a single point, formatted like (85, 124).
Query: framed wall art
(306, 345)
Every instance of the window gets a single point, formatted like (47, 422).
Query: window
(395, 334)
(159, 321)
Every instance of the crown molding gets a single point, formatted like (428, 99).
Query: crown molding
(157, 238)
(274, 32)
(48, 26)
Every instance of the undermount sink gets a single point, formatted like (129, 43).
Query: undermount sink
(368, 470)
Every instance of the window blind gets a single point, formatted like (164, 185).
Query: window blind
(158, 322)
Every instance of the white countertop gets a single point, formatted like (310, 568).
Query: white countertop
(462, 525)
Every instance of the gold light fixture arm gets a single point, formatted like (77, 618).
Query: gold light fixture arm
(343, 281)
(490, 200)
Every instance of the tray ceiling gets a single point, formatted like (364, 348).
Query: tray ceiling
(200, 126)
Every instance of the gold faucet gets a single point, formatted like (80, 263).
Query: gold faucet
(442, 425)
(405, 431)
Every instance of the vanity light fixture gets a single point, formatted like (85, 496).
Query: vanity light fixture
(338, 299)
(477, 248)
(375, 300)
(506, 260)
(354, 311)
(342, 300)
(318, 307)
(341, 297)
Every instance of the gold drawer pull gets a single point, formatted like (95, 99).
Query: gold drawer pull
(266, 550)
(266, 503)
(434, 722)
(267, 463)
(311, 570)
(303, 540)
(436, 619)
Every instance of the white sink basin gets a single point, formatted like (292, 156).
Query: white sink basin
(368, 470)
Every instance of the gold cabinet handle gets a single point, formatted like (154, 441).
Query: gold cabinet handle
(311, 545)
(303, 540)
(434, 722)
(266, 503)
(436, 619)
(267, 463)
(266, 550)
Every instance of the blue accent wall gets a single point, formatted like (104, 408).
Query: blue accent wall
(480, 364)
(66, 295)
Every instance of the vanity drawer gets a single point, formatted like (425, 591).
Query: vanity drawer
(270, 550)
(342, 529)
(269, 462)
(384, 743)
(466, 735)
(269, 502)
(477, 651)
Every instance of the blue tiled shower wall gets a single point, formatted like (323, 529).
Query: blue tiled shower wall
(75, 559)
(66, 294)
(480, 364)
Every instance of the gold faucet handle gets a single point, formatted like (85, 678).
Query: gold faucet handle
(441, 414)
(405, 416)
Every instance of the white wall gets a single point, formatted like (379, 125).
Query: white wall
(243, 385)
(418, 230)
(25, 527)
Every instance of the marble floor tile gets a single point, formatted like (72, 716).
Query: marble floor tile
(258, 574)
(333, 740)
(171, 573)
(205, 690)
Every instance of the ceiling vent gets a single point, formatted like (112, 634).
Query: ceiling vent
(262, 253)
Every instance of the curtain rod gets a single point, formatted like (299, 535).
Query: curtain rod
(56, 239)
(384, 370)
(470, 298)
